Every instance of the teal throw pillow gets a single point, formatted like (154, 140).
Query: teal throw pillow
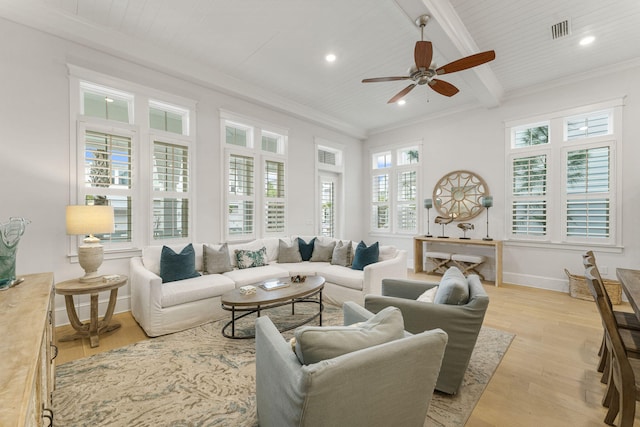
(249, 259)
(365, 255)
(306, 249)
(180, 266)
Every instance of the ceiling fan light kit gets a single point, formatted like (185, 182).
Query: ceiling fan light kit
(424, 72)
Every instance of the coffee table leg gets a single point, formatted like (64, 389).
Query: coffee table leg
(233, 321)
(293, 307)
(320, 308)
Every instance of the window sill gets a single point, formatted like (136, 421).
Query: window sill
(112, 254)
(573, 247)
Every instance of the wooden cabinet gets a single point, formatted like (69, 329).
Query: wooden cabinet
(27, 351)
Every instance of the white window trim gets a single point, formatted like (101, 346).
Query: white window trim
(142, 155)
(556, 230)
(393, 171)
(256, 128)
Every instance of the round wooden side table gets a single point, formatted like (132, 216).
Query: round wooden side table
(94, 327)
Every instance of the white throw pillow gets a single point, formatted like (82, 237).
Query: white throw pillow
(428, 295)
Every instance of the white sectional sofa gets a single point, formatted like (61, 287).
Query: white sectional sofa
(163, 308)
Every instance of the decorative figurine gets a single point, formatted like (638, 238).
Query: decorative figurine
(464, 226)
(443, 220)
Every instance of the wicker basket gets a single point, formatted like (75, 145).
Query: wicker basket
(578, 288)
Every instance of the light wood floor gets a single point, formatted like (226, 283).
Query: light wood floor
(546, 379)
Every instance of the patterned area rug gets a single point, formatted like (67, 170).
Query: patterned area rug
(199, 378)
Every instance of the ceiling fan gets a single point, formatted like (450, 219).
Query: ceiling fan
(424, 72)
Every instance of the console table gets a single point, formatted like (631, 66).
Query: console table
(420, 241)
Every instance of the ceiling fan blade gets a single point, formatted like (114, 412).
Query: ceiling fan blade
(467, 62)
(401, 94)
(423, 53)
(385, 79)
(443, 88)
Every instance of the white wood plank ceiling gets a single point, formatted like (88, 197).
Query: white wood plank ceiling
(272, 51)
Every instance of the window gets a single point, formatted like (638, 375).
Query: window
(330, 172)
(170, 191)
(139, 165)
(256, 178)
(107, 179)
(576, 151)
(394, 190)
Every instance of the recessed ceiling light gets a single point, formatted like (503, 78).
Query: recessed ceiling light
(402, 102)
(587, 40)
(330, 57)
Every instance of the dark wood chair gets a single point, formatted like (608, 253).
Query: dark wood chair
(622, 390)
(628, 323)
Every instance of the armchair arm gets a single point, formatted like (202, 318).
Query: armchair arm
(374, 273)
(354, 313)
(278, 377)
(405, 288)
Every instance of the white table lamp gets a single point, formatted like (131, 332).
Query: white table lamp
(83, 220)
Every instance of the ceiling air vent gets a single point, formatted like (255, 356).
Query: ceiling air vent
(561, 29)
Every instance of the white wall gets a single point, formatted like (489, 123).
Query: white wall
(34, 160)
(474, 140)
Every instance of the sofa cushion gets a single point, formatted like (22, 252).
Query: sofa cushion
(322, 252)
(342, 254)
(453, 288)
(248, 259)
(343, 276)
(252, 276)
(306, 249)
(317, 343)
(289, 253)
(305, 268)
(199, 288)
(215, 259)
(365, 255)
(178, 266)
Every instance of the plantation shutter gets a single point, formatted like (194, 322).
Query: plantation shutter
(380, 192)
(588, 192)
(108, 179)
(529, 196)
(170, 191)
(241, 202)
(406, 201)
(274, 196)
(327, 207)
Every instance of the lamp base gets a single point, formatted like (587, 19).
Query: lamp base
(90, 258)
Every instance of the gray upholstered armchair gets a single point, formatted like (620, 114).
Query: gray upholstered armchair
(462, 323)
(386, 384)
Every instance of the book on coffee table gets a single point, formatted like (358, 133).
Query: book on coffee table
(270, 285)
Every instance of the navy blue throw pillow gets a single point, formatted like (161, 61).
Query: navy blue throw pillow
(180, 266)
(365, 255)
(306, 249)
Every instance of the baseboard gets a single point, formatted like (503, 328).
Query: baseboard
(540, 282)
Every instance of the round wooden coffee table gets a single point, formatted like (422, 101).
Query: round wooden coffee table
(309, 291)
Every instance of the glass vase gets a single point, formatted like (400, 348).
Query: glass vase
(10, 233)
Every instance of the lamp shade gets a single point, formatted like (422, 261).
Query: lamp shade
(89, 219)
(487, 201)
(428, 203)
